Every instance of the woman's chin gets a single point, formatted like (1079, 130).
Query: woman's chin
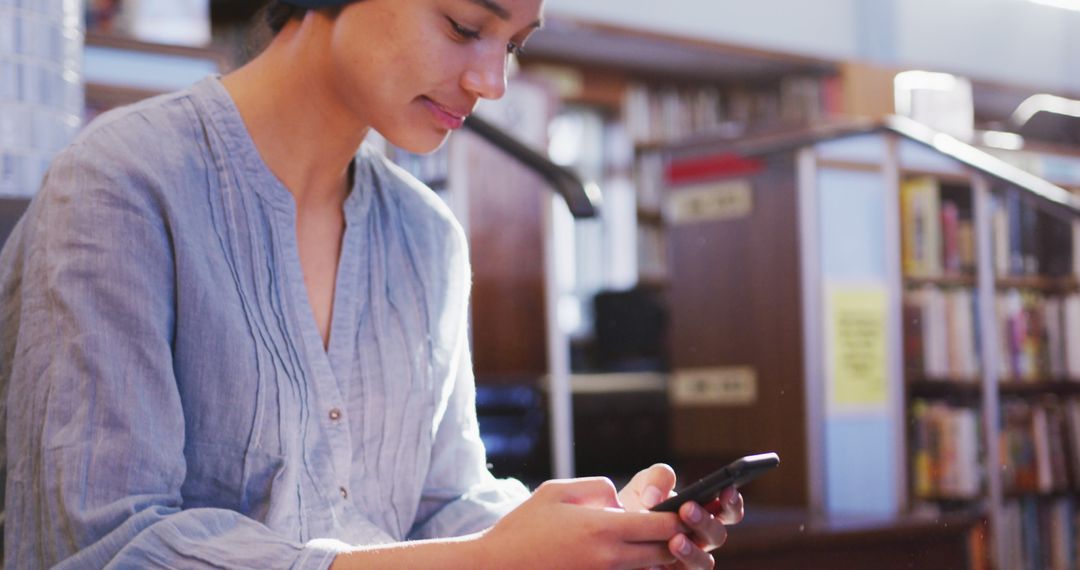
(420, 143)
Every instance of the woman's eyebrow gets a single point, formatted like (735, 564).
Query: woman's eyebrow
(500, 11)
(494, 7)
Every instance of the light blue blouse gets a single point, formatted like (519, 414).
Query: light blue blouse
(170, 403)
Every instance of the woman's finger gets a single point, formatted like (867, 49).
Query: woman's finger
(648, 487)
(705, 529)
(729, 507)
(689, 555)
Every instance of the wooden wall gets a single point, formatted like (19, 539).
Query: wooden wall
(505, 225)
(735, 301)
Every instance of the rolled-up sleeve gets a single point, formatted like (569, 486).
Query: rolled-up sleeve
(96, 415)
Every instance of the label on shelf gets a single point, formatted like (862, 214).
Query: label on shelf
(728, 385)
(710, 202)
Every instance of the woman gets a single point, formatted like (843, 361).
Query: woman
(232, 340)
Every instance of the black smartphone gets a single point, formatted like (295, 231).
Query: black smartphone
(738, 473)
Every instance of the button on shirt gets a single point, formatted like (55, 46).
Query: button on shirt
(168, 390)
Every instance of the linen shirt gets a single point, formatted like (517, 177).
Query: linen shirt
(170, 402)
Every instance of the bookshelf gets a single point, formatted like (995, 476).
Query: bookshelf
(654, 88)
(119, 70)
(927, 332)
(639, 91)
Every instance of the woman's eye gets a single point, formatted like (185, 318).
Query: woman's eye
(462, 31)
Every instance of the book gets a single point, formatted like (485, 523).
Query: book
(1071, 335)
(950, 237)
(999, 224)
(920, 212)
(940, 333)
(945, 451)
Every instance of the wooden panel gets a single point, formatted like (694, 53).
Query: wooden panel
(735, 301)
(867, 90)
(594, 85)
(950, 541)
(506, 247)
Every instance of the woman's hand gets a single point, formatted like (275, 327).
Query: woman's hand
(705, 525)
(579, 523)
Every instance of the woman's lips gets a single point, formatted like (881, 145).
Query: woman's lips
(448, 118)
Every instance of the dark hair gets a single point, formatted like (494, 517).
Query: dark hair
(277, 13)
(268, 22)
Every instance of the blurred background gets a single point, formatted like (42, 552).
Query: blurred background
(841, 230)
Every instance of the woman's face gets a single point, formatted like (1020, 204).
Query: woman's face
(413, 69)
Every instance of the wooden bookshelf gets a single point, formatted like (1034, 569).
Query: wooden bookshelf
(650, 217)
(967, 390)
(963, 178)
(663, 57)
(1041, 283)
(102, 96)
(1038, 388)
(717, 259)
(950, 502)
(941, 281)
(1013, 494)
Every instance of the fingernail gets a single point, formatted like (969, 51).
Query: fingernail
(650, 497)
(684, 545)
(734, 499)
(694, 513)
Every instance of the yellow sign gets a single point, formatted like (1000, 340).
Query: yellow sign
(858, 319)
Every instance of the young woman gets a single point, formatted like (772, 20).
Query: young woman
(231, 339)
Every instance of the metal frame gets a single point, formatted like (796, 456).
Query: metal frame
(991, 410)
(894, 336)
(812, 323)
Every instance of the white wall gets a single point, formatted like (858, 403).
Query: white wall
(1012, 41)
(818, 27)
(1008, 41)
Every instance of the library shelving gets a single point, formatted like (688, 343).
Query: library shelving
(658, 88)
(630, 92)
(902, 306)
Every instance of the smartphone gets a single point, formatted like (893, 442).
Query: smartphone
(738, 473)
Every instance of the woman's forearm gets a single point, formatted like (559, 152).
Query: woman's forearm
(435, 554)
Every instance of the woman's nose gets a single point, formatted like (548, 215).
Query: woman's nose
(486, 78)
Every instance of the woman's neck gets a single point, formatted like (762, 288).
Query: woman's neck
(299, 126)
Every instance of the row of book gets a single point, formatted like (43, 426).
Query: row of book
(940, 333)
(944, 451)
(1030, 242)
(939, 239)
(1039, 534)
(938, 234)
(668, 112)
(1039, 336)
(1040, 446)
